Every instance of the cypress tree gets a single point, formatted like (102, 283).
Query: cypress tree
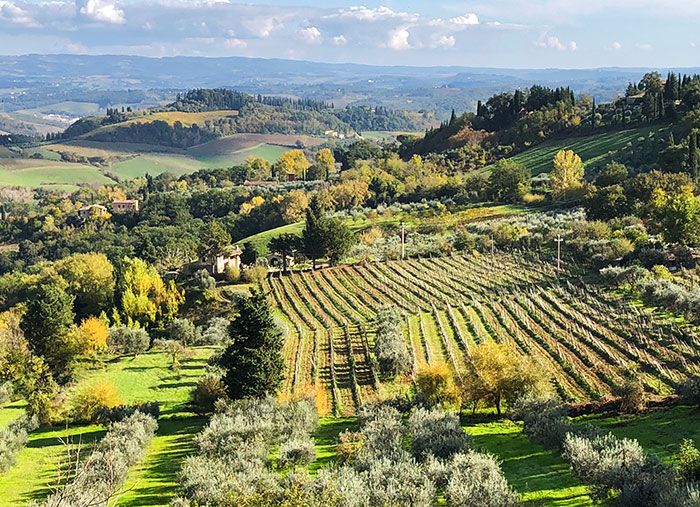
(693, 156)
(313, 237)
(453, 117)
(253, 362)
(593, 114)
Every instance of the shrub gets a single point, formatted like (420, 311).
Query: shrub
(99, 476)
(92, 398)
(544, 419)
(399, 484)
(689, 461)
(611, 464)
(476, 480)
(202, 280)
(233, 273)
(216, 332)
(128, 340)
(436, 433)
(689, 391)
(210, 389)
(13, 438)
(341, 487)
(6, 392)
(255, 274)
(184, 331)
(296, 451)
(390, 345)
(632, 396)
(349, 444)
(382, 439)
(106, 415)
(437, 387)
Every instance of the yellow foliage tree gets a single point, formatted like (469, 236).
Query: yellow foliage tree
(292, 162)
(566, 174)
(93, 334)
(293, 205)
(90, 278)
(324, 164)
(499, 373)
(248, 206)
(93, 397)
(258, 168)
(437, 385)
(145, 296)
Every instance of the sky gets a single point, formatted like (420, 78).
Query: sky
(506, 34)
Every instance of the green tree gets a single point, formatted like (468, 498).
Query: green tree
(613, 173)
(338, 240)
(286, 244)
(324, 165)
(677, 215)
(693, 154)
(313, 235)
(213, 239)
(509, 181)
(46, 323)
(253, 362)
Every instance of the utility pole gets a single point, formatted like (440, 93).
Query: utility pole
(403, 240)
(558, 240)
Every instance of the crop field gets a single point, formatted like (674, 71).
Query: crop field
(41, 173)
(582, 337)
(591, 149)
(187, 119)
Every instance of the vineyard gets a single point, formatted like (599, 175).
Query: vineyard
(583, 337)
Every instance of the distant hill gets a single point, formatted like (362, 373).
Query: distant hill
(52, 79)
(203, 115)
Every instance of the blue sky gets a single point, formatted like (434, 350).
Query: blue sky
(509, 33)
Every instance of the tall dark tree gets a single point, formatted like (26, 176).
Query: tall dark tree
(253, 362)
(214, 240)
(313, 236)
(286, 245)
(693, 154)
(593, 113)
(45, 324)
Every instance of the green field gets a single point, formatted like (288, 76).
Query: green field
(591, 149)
(145, 378)
(128, 160)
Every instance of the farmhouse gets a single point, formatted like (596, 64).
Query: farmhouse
(126, 206)
(217, 264)
(92, 210)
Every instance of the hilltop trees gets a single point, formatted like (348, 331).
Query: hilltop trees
(253, 362)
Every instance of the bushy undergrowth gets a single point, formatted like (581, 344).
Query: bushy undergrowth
(13, 438)
(99, 477)
(233, 467)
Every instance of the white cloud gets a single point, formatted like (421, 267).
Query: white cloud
(616, 45)
(340, 40)
(445, 42)
(551, 42)
(99, 10)
(398, 39)
(310, 35)
(467, 19)
(234, 43)
(15, 14)
(645, 47)
(75, 48)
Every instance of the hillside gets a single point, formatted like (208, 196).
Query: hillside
(627, 146)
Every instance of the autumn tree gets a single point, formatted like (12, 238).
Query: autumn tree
(565, 178)
(293, 205)
(90, 279)
(436, 385)
(498, 373)
(323, 166)
(258, 168)
(93, 335)
(253, 362)
(291, 162)
(145, 298)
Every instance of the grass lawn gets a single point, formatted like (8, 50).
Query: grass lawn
(659, 432)
(11, 411)
(147, 377)
(36, 173)
(540, 475)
